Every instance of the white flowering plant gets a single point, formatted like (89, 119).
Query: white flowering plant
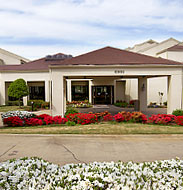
(20, 114)
(35, 173)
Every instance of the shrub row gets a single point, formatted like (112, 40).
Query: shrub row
(88, 118)
(43, 119)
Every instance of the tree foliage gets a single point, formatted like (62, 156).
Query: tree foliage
(18, 89)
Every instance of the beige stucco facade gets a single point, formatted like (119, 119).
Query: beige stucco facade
(174, 74)
(8, 58)
(155, 85)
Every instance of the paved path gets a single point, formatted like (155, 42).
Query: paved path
(114, 109)
(62, 149)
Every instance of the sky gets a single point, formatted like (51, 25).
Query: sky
(36, 28)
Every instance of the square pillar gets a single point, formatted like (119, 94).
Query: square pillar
(25, 98)
(47, 91)
(174, 93)
(2, 92)
(142, 93)
(69, 90)
(58, 106)
(114, 91)
(90, 91)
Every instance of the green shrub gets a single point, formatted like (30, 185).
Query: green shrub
(70, 123)
(121, 104)
(45, 105)
(13, 103)
(37, 103)
(71, 110)
(177, 112)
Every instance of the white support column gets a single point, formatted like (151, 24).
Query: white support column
(114, 91)
(25, 98)
(2, 93)
(69, 90)
(142, 93)
(47, 91)
(57, 94)
(174, 93)
(90, 91)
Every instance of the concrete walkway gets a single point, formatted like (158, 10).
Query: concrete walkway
(114, 110)
(63, 149)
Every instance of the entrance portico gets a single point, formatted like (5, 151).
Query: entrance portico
(109, 66)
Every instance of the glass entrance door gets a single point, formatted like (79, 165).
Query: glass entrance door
(102, 94)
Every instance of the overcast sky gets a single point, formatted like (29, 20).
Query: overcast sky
(35, 28)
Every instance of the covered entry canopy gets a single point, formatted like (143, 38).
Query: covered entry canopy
(111, 62)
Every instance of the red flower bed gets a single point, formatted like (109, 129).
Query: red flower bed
(108, 117)
(179, 120)
(43, 119)
(119, 117)
(136, 117)
(13, 121)
(82, 118)
(164, 119)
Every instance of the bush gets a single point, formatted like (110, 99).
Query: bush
(177, 112)
(20, 114)
(71, 110)
(179, 120)
(13, 103)
(121, 104)
(138, 117)
(43, 119)
(164, 119)
(37, 103)
(82, 118)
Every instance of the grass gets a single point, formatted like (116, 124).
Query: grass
(110, 128)
(11, 108)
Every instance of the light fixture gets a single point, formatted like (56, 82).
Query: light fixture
(143, 87)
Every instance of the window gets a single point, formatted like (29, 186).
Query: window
(37, 93)
(80, 93)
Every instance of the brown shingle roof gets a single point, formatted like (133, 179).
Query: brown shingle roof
(104, 56)
(36, 65)
(114, 56)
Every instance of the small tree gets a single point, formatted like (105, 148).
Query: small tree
(18, 89)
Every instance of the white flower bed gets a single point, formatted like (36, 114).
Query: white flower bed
(21, 114)
(34, 173)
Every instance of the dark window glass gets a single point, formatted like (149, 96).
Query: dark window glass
(37, 93)
(80, 93)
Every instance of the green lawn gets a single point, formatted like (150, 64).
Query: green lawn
(102, 128)
(12, 108)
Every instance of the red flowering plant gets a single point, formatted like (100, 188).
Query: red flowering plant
(127, 115)
(101, 115)
(59, 120)
(108, 117)
(138, 117)
(13, 121)
(119, 117)
(164, 119)
(82, 118)
(179, 120)
(33, 122)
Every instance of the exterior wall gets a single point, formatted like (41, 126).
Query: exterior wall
(156, 85)
(141, 47)
(10, 58)
(120, 90)
(173, 55)
(28, 77)
(159, 84)
(162, 46)
(131, 92)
